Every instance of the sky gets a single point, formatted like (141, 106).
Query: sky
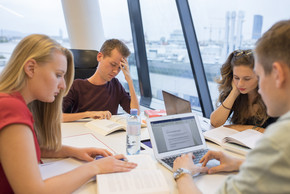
(32, 16)
(160, 17)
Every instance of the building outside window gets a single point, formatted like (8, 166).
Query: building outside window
(225, 25)
(169, 66)
(221, 27)
(20, 18)
(116, 24)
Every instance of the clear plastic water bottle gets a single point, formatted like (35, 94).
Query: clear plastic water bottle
(133, 133)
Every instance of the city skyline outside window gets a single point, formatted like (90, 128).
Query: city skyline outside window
(115, 23)
(20, 18)
(46, 17)
(221, 26)
(169, 66)
(234, 25)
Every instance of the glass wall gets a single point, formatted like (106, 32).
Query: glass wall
(19, 18)
(225, 25)
(221, 27)
(116, 24)
(169, 66)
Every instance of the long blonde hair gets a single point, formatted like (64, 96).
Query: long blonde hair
(47, 116)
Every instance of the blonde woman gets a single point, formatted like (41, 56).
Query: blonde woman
(32, 86)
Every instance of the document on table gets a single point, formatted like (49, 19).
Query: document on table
(145, 179)
(85, 140)
(58, 167)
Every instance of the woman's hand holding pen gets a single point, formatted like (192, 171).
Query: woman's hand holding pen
(113, 164)
(88, 154)
(107, 163)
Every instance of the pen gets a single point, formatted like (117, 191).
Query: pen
(99, 157)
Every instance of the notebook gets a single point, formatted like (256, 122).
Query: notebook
(174, 135)
(175, 104)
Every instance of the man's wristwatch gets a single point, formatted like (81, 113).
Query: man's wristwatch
(179, 172)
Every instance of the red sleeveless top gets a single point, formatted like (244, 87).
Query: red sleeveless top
(13, 109)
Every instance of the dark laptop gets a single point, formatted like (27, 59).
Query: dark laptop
(175, 104)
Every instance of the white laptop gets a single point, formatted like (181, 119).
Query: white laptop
(174, 135)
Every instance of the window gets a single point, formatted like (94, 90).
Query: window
(116, 24)
(223, 26)
(20, 18)
(169, 65)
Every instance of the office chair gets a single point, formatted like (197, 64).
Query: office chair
(85, 63)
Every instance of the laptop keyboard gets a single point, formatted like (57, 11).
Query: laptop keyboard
(198, 155)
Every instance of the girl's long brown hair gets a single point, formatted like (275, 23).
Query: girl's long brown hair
(240, 110)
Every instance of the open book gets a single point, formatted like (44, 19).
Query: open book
(145, 179)
(105, 127)
(232, 139)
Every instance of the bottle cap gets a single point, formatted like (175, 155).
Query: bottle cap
(134, 112)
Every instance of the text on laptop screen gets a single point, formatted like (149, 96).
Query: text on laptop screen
(177, 133)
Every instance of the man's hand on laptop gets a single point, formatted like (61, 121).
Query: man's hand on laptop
(227, 163)
(185, 161)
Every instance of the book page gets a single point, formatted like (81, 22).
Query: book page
(236, 148)
(144, 161)
(217, 135)
(145, 178)
(85, 140)
(246, 138)
(134, 182)
(104, 127)
(122, 120)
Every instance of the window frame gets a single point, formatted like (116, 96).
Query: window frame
(193, 52)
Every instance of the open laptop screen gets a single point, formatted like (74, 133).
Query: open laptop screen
(176, 133)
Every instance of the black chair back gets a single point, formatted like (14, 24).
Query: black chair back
(85, 63)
